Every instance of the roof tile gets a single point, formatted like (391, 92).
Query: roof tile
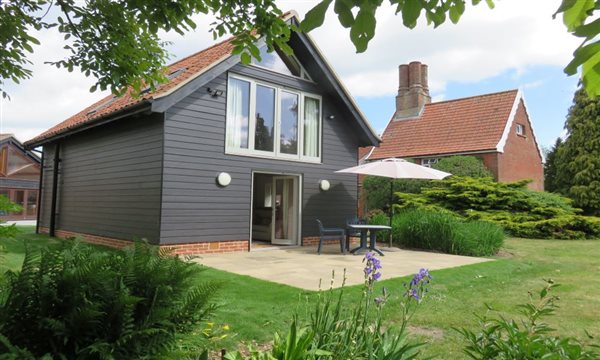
(462, 125)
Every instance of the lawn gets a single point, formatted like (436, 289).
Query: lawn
(254, 309)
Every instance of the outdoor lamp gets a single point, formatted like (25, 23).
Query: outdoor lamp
(324, 185)
(223, 179)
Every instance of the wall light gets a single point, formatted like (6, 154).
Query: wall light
(331, 117)
(214, 92)
(324, 185)
(223, 179)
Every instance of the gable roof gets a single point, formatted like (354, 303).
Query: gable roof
(12, 140)
(472, 124)
(181, 73)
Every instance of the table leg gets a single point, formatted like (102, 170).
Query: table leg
(372, 245)
(363, 242)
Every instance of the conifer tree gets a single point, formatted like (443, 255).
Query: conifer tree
(551, 182)
(578, 164)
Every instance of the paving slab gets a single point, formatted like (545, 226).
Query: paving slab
(303, 268)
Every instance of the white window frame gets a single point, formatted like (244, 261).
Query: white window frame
(427, 162)
(276, 153)
(520, 129)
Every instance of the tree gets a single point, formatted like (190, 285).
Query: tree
(117, 41)
(578, 163)
(463, 166)
(551, 181)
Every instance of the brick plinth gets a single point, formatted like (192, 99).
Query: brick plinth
(176, 249)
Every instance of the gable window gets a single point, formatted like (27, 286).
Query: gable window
(280, 62)
(428, 162)
(520, 129)
(284, 123)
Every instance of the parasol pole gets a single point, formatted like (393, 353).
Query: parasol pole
(391, 208)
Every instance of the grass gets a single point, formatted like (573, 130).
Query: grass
(255, 309)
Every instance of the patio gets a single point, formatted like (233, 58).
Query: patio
(301, 267)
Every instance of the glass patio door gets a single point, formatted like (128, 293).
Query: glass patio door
(285, 210)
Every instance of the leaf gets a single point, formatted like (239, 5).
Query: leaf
(245, 58)
(363, 29)
(456, 11)
(315, 16)
(582, 55)
(490, 4)
(588, 31)
(343, 8)
(576, 12)
(410, 13)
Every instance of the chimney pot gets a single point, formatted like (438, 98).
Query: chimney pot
(413, 90)
(403, 83)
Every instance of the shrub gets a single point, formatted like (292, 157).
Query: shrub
(442, 231)
(463, 166)
(527, 338)
(519, 211)
(77, 302)
(377, 190)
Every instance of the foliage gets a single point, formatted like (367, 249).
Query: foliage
(7, 231)
(445, 232)
(463, 166)
(578, 158)
(337, 330)
(118, 42)
(377, 190)
(578, 16)
(75, 302)
(526, 338)
(552, 182)
(521, 212)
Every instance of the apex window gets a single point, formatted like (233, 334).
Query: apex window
(268, 121)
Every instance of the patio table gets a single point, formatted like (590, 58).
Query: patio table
(372, 229)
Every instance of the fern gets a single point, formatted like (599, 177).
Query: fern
(77, 302)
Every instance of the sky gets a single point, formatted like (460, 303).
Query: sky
(515, 45)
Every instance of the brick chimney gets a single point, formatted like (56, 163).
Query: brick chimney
(413, 91)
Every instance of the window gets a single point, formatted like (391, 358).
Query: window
(520, 129)
(284, 123)
(429, 162)
(279, 62)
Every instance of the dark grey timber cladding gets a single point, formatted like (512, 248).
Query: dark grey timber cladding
(110, 180)
(195, 209)
(46, 190)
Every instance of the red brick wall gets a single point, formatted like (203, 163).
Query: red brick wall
(177, 249)
(214, 247)
(521, 158)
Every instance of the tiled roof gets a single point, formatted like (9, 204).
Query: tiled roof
(446, 127)
(181, 72)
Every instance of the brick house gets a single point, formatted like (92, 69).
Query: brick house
(494, 127)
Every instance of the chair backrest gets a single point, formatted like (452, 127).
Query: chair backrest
(320, 225)
(355, 221)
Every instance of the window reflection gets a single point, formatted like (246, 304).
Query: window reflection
(288, 138)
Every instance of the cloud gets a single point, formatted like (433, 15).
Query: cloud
(514, 36)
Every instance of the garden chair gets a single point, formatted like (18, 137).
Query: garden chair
(353, 232)
(331, 234)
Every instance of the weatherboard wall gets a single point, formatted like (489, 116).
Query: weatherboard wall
(195, 209)
(109, 180)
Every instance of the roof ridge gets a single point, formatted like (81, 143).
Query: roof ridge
(474, 96)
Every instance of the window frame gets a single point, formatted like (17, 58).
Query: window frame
(276, 153)
(520, 129)
(428, 162)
